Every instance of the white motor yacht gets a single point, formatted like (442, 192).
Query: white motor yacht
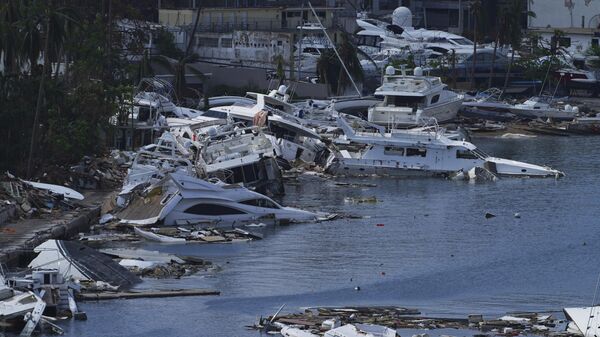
(295, 140)
(243, 155)
(184, 200)
(154, 161)
(408, 99)
(424, 152)
(544, 107)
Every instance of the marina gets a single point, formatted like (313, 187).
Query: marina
(318, 168)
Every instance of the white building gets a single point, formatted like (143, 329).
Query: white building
(579, 20)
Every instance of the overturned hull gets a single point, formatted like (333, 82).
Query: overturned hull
(74, 260)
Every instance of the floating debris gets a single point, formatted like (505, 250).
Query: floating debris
(361, 200)
(384, 321)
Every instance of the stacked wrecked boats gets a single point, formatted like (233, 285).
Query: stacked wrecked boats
(216, 176)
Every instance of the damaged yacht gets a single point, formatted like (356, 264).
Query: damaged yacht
(241, 155)
(426, 152)
(295, 140)
(184, 200)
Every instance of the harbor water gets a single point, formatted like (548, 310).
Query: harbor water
(425, 243)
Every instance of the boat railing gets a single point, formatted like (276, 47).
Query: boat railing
(490, 94)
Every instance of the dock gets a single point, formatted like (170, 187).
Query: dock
(146, 294)
(18, 238)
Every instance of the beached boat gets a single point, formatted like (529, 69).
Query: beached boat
(409, 99)
(488, 105)
(422, 152)
(184, 200)
(295, 140)
(543, 107)
(243, 155)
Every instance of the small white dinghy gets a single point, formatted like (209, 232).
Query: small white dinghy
(157, 237)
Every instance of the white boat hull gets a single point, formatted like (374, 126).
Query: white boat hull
(402, 117)
(543, 114)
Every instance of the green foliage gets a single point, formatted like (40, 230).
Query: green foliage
(165, 43)
(594, 60)
(408, 63)
(330, 69)
(78, 102)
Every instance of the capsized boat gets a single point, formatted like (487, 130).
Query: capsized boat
(408, 99)
(420, 152)
(184, 200)
(78, 262)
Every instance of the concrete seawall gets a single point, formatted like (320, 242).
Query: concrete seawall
(17, 239)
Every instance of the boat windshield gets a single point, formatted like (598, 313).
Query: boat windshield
(480, 154)
(462, 42)
(264, 203)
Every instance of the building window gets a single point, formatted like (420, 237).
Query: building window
(225, 42)
(564, 42)
(212, 209)
(208, 42)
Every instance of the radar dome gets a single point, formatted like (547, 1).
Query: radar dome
(418, 71)
(402, 17)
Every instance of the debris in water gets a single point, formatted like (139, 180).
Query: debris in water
(489, 215)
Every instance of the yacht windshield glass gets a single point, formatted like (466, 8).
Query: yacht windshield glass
(480, 153)
(462, 42)
(264, 203)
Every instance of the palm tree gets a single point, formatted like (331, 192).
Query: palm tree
(328, 69)
(51, 22)
(513, 33)
(476, 12)
(10, 16)
(349, 55)
(181, 65)
(496, 41)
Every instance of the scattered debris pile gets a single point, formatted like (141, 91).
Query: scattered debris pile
(154, 264)
(31, 199)
(320, 321)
